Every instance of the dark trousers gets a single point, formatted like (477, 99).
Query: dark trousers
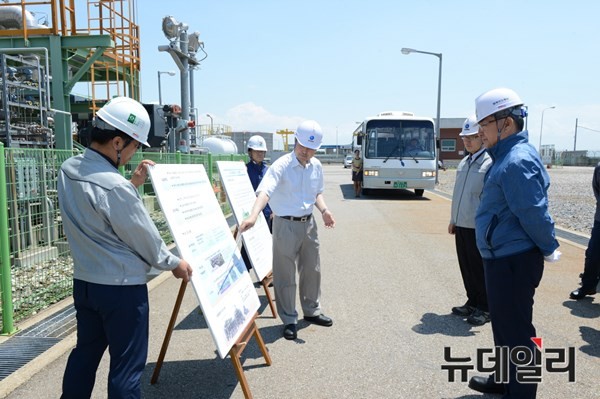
(591, 272)
(511, 284)
(108, 316)
(471, 267)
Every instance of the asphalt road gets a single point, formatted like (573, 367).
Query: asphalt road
(390, 277)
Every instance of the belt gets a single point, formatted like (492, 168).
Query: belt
(297, 219)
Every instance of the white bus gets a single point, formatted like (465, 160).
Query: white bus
(398, 151)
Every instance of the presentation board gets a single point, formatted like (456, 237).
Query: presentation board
(221, 282)
(258, 240)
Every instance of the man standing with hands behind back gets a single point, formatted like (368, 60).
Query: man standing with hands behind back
(514, 231)
(293, 186)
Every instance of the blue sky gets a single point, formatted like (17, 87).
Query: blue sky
(272, 64)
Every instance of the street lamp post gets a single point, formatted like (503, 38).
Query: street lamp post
(211, 123)
(170, 73)
(407, 51)
(542, 127)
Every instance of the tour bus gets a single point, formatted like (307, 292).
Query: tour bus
(398, 151)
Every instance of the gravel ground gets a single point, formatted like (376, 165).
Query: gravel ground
(572, 202)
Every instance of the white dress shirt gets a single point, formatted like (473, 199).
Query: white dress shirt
(291, 187)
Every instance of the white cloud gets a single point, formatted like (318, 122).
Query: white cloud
(252, 117)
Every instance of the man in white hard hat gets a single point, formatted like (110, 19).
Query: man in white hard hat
(293, 186)
(469, 182)
(515, 234)
(114, 243)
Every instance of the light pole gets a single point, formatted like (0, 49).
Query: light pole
(170, 73)
(211, 123)
(407, 51)
(583, 127)
(542, 127)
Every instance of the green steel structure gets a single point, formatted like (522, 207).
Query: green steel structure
(35, 264)
(102, 52)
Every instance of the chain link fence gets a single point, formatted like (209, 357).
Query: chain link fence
(576, 158)
(35, 264)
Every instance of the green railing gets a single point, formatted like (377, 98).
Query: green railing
(35, 265)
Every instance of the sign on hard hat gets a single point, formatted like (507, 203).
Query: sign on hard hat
(309, 134)
(127, 115)
(470, 126)
(257, 143)
(494, 101)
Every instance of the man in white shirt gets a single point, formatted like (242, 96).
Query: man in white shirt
(293, 187)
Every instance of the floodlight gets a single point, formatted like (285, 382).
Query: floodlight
(170, 27)
(194, 42)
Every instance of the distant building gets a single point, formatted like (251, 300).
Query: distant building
(451, 146)
(333, 149)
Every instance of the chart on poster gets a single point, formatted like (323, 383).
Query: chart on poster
(221, 282)
(257, 240)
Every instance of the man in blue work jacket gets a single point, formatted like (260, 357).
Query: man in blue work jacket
(514, 232)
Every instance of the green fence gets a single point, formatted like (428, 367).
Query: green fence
(35, 264)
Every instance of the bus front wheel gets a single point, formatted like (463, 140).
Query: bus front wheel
(419, 192)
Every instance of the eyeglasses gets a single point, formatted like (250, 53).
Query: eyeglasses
(484, 124)
(135, 143)
(470, 138)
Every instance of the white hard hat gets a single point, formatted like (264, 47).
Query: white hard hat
(127, 115)
(309, 134)
(257, 143)
(496, 100)
(470, 126)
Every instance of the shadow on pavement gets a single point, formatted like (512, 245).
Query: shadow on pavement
(213, 378)
(584, 308)
(592, 337)
(447, 324)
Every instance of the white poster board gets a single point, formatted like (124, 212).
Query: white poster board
(222, 284)
(257, 241)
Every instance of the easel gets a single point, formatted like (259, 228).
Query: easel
(235, 352)
(265, 284)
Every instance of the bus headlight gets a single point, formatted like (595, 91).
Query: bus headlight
(428, 173)
(371, 173)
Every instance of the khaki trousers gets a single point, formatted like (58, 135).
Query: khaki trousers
(296, 247)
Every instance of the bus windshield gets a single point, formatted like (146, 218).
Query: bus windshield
(399, 138)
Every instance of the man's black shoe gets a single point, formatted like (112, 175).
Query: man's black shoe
(321, 320)
(580, 293)
(289, 332)
(485, 385)
(463, 311)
